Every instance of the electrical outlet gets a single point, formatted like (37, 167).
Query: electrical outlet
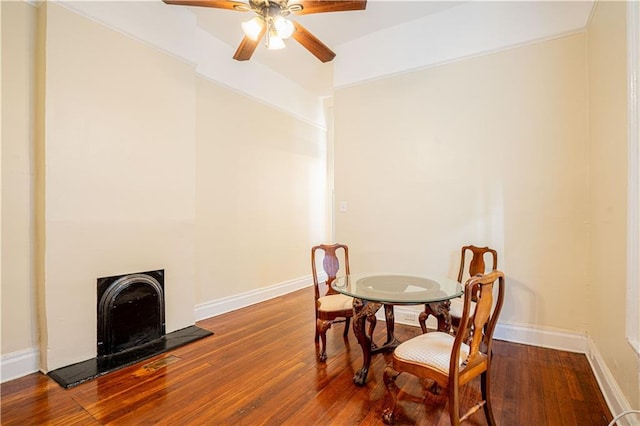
(409, 316)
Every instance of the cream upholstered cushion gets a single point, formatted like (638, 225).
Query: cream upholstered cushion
(433, 349)
(457, 305)
(335, 302)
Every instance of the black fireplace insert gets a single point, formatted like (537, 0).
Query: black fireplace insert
(130, 311)
(131, 327)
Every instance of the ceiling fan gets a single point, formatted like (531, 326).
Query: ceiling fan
(271, 21)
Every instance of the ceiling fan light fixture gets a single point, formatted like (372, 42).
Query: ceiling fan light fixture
(274, 41)
(283, 26)
(271, 22)
(253, 27)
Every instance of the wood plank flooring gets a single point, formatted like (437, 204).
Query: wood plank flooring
(260, 368)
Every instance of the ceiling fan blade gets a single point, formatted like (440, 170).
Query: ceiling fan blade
(312, 43)
(247, 47)
(321, 6)
(218, 4)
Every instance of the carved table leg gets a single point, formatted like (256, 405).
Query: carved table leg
(391, 342)
(441, 311)
(361, 310)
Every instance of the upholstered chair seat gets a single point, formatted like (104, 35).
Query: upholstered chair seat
(335, 303)
(432, 350)
(330, 306)
(449, 361)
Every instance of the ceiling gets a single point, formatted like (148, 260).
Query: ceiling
(333, 28)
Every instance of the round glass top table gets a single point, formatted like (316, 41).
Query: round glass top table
(398, 289)
(371, 291)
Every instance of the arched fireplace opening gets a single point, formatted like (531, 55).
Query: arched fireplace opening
(131, 327)
(130, 311)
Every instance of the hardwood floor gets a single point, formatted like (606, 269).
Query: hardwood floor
(260, 368)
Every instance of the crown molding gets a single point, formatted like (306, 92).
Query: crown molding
(175, 31)
(480, 28)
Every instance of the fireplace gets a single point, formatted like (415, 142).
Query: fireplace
(130, 311)
(130, 327)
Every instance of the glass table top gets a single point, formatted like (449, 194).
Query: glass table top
(398, 289)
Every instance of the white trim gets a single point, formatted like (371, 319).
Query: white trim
(22, 363)
(563, 340)
(19, 364)
(175, 31)
(554, 339)
(633, 204)
(612, 393)
(170, 30)
(482, 28)
(242, 300)
(256, 80)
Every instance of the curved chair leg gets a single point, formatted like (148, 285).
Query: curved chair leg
(454, 404)
(486, 395)
(390, 376)
(321, 328)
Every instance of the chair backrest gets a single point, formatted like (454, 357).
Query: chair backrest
(330, 265)
(477, 325)
(477, 264)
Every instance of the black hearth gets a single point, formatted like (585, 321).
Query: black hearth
(131, 327)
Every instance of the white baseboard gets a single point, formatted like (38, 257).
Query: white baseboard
(18, 364)
(563, 340)
(21, 363)
(528, 335)
(609, 386)
(237, 301)
(548, 338)
(574, 342)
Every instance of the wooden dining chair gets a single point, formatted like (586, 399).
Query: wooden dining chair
(477, 265)
(452, 361)
(331, 306)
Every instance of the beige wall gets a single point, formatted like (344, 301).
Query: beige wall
(144, 166)
(545, 183)
(260, 194)
(119, 149)
(149, 167)
(489, 151)
(608, 193)
(18, 276)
